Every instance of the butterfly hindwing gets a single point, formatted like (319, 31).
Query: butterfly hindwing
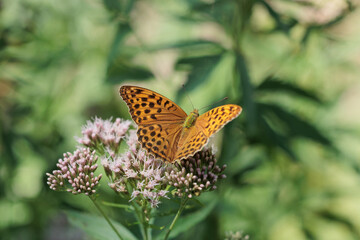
(160, 139)
(148, 107)
(194, 141)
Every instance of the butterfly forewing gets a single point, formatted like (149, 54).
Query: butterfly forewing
(215, 119)
(148, 107)
(206, 125)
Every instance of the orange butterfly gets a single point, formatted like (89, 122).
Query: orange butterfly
(165, 130)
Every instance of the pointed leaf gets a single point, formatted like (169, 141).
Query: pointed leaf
(273, 84)
(123, 29)
(97, 227)
(273, 138)
(341, 220)
(280, 23)
(201, 68)
(294, 125)
(194, 45)
(184, 223)
(120, 72)
(249, 105)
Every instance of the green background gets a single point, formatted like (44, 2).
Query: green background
(292, 155)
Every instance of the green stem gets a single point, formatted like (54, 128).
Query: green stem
(182, 206)
(106, 217)
(140, 220)
(146, 221)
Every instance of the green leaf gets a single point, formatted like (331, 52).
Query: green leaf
(307, 232)
(97, 227)
(184, 223)
(112, 5)
(342, 220)
(118, 205)
(247, 89)
(123, 29)
(280, 23)
(121, 71)
(272, 84)
(192, 45)
(233, 138)
(119, 8)
(120, 67)
(201, 69)
(273, 138)
(294, 125)
(237, 175)
(220, 11)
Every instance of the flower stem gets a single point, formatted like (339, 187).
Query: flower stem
(106, 217)
(141, 223)
(144, 211)
(182, 206)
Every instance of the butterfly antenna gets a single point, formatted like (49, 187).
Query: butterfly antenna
(225, 98)
(188, 96)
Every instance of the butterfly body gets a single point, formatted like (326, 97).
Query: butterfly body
(190, 120)
(165, 130)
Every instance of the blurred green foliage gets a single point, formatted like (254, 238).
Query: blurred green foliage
(292, 156)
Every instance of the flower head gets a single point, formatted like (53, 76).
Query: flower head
(195, 175)
(141, 171)
(104, 132)
(238, 235)
(75, 173)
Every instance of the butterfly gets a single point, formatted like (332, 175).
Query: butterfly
(165, 130)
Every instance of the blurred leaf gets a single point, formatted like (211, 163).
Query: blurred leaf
(342, 220)
(272, 84)
(119, 8)
(120, 67)
(214, 11)
(206, 6)
(211, 8)
(121, 71)
(191, 45)
(201, 69)
(97, 227)
(112, 5)
(272, 138)
(188, 221)
(249, 105)
(232, 140)
(237, 177)
(123, 29)
(280, 23)
(338, 19)
(309, 235)
(118, 205)
(294, 125)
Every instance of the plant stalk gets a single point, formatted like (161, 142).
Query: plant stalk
(182, 206)
(106, 217)
(140, 220)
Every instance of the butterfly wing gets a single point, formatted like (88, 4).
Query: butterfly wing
(160, 120)
(206, 125)
(215, 119)
(148, 107)
(160, 139)
(160, 123)
(193, 141)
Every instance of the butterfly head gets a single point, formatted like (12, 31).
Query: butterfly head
(191, 119)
